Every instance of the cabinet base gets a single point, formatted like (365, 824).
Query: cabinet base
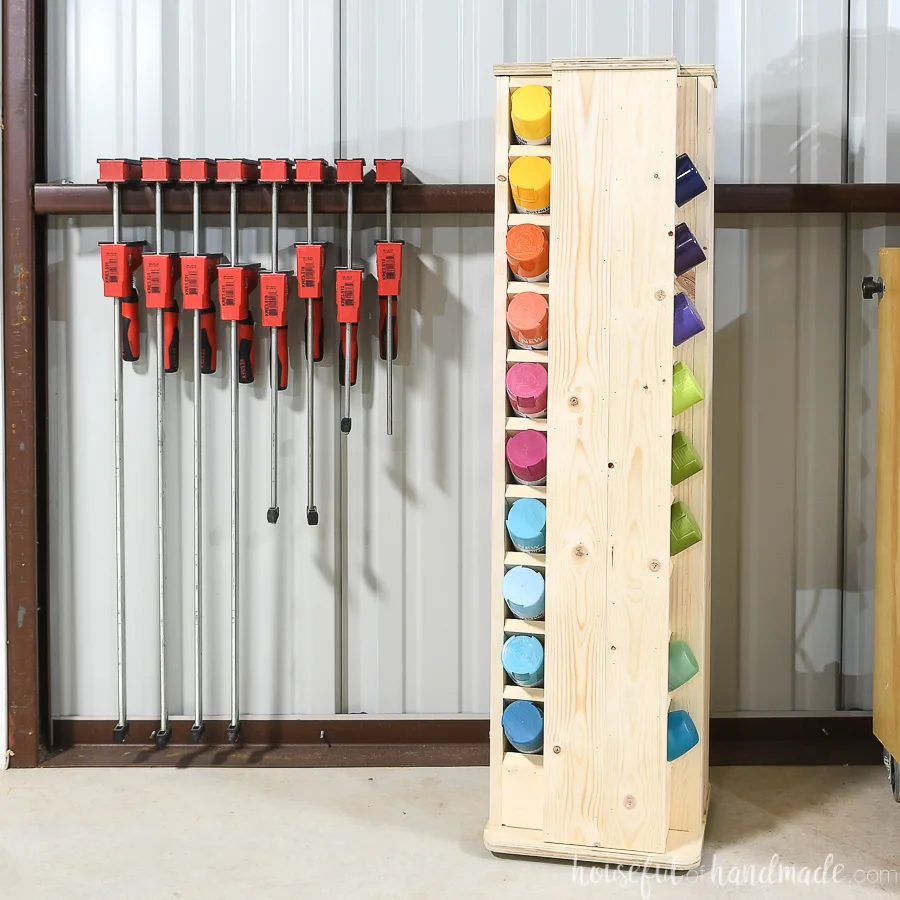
(683, 848)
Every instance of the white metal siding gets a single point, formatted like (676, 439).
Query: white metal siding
(408, 600)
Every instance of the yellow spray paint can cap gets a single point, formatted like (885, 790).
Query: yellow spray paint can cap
(529, 178)
(531, 113)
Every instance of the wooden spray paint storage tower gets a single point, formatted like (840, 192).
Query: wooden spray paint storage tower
(602, 789)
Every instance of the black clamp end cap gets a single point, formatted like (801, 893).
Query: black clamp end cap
(120, 732)
(871, 286)
(312, 516)
(233, 733)
(272, 515)
(162, 739)
(345, 425)
(197, 733)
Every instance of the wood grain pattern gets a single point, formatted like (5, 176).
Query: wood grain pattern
(498, 450)
(609, 408)
(886, 699)
(524, 626)
(634, 675)
(629, 63)
(683, 849)
(523, 790)
(517, 692)
(706, 224)
(690, 576)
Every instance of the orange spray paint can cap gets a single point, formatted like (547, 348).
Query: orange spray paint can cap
(528, 252)
(527, 316)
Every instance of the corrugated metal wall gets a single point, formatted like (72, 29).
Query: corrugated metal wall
(398, 622)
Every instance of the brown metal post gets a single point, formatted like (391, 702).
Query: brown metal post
(20, 349)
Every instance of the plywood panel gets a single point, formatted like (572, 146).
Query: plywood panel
(886, 700)
(690, 584)
(609, 412)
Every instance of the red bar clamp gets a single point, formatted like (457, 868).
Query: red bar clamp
(118, 171)
(389, 266)
(198, 275)
(309, 171)
(388, 171)
(236, 170)
(157, 171)
(349, 299)
(120, 262)
(273, 171)
(199, 170)
(236, 284)
(161, 274)
(273, 296)
(349, 171)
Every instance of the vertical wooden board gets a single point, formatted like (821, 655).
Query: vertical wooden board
(634, 685)
(523, 790)
(703, 356)
(607, 555)
(886, 698)
(686, 566)
(498, 459)
(690, 569)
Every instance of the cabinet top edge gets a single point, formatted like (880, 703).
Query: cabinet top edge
(701, 72)
(617, 62)
(522, 69)
(625, 62)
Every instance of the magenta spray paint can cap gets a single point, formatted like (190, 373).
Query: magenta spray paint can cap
(526, 386)
(526, 453)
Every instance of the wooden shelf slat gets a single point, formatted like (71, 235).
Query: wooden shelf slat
(519, 423)
(516, 491)
(516, 692)
(524, 626)
(542, 219)
(519, 287)
(517, 558)
(517, 355)
(517, 150)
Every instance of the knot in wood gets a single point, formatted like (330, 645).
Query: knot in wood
(556, 749)
(630, 802)
(655, 565)
(501, 178)
(660, 295)
(580, 551)
(573, 401)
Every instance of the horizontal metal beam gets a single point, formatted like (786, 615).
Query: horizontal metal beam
(839, 739)
(450, 199)
(413, 199)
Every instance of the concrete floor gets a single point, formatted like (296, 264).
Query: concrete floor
(406, 833)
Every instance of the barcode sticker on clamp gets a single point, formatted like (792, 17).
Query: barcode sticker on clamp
(270, 302)
(389, 267)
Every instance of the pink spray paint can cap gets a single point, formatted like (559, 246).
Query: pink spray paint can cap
(526, 453)
(526, 385)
